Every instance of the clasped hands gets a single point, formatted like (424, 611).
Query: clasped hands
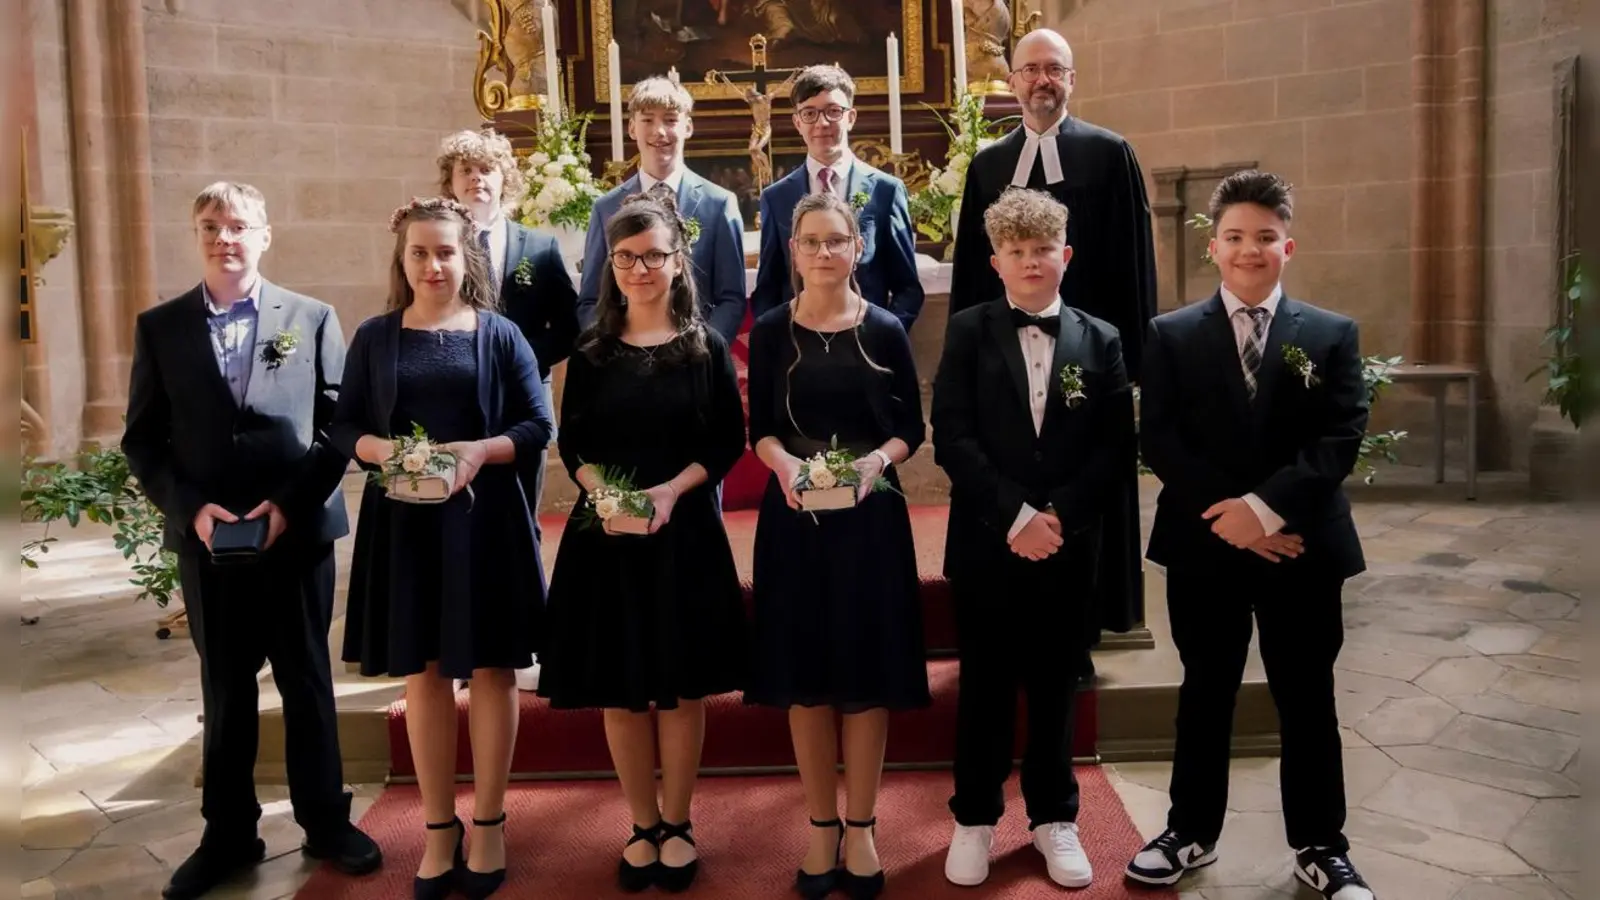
(662, 498)
(1235, 522)
(1039, 539)
(205, 521)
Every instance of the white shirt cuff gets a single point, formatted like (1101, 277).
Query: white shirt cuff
(1024, 516)
(1271, 521)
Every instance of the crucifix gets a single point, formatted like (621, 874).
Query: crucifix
(760, 99)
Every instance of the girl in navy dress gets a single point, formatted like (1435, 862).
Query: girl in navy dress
(656, 620)
(838, 623)
(454, 590)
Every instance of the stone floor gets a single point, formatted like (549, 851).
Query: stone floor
(1459, 690)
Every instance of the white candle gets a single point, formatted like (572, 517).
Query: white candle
(552, 71)
(672, 73)
(958, 46)
(894, 94)
(614, 60)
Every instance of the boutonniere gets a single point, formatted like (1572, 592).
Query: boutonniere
(858, 201)
(276, 350)
(523, 273)
(1072, 385)
(1297, 360)
(691, 230)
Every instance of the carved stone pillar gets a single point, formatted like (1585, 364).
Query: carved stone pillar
(112, 183)
(1447, 296)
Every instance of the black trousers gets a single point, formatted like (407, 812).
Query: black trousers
(241, 616)
(1022, 633)
(1302, 630)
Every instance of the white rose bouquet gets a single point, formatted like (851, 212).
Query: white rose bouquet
(935, 207)
(561, 189)
(830, 480)
(618, 505)
(418, 471)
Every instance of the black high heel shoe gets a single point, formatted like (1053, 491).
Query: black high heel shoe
(815, 887)
(632, 878)
(478, 885)
(673, 879)
(439, 886)
(861, 887)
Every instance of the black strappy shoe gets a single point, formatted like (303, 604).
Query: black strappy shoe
(439, 886)
(861, 887)
(816, 886)
(673, 879)
(632, 878)
(478, 885)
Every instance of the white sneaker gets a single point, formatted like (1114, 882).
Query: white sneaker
(967, 863)
(1063, 854)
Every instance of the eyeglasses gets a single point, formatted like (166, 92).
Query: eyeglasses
(211, 230)
(1032, 71)
(810, 114)
(808, 246)
(653, 259)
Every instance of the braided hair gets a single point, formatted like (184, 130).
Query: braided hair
(477, 287)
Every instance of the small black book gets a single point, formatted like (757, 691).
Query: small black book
(239, 541)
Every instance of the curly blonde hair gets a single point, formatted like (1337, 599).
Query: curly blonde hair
(1022, 214)
(486, 147)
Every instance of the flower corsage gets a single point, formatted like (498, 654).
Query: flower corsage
(617, 503)
(418, 471)
(1072, 385)
(829, 480)
(276, 350)
(1296, 359)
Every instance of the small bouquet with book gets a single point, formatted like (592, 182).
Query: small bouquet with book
(418, 470)
(830, 480)
(618, 505)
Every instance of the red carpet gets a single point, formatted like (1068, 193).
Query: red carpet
(553, 741)
(565, 838)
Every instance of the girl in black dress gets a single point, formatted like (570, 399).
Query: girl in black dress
(838, 623)
(656, 620)
(455, 590)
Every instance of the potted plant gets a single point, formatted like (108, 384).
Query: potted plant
(1568, 398)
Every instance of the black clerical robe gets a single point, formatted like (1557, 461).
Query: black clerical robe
(1112, 277)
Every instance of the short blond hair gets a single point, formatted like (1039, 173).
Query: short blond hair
(1022, 214)
(231, 196)
(659, 93)
(486, 147)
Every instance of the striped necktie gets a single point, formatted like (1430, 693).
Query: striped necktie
(1254, 346)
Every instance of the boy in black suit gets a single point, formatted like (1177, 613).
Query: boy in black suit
(1032, 419)
(1252, 413)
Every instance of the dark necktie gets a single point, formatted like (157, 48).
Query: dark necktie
(1050, 325)
(1254, 345)
(488, 257)
(662, 190)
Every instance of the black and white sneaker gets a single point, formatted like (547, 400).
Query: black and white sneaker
(1331, 873)
(1165, 859)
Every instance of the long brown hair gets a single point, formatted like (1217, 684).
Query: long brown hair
(477, 288)
(640, 213)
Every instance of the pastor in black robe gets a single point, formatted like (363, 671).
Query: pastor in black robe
(1112, 277)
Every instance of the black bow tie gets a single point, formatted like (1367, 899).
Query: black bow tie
(1050, 325)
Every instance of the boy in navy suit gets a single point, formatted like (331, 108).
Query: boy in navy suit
(824, 113)
(1252, 412)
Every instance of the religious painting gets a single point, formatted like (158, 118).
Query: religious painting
(730, 169)
(700, 36)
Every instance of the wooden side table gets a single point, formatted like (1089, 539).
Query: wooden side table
(1439, 377)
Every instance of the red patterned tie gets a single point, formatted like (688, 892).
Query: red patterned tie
(826, 177)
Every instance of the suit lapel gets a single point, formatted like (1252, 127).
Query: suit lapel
(1069, 349)
(1283, 331)
(205, 354)
(860, 179)
(1005, 337)
(1224, 347)
(689, 195)
(270, 318)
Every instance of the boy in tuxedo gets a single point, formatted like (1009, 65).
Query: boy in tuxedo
(233, 386)
(1032, 417)
(1252, 412)
(824, 112)
(660, 123)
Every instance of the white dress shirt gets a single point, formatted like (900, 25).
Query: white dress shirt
(841, 173)
(674, 180)
(1037, 145)
(1243, 326)
(1038, 353)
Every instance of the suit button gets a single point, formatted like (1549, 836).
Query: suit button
(1038, 456)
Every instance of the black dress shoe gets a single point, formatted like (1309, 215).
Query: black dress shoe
(861, 887)
(345, 848)
(440, 886)
(816, 886)
(478, 885)
(211, 865)
(631, 878)
(673, 879)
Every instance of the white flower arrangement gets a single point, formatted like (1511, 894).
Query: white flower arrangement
(618, 503)
(418, 470)
(561, 190)
(934, 207)
(830, 480)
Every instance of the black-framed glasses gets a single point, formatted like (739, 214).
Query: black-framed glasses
(810, 114)
(627, 259)
(837, 245)
(1032, 72)
(211, 230)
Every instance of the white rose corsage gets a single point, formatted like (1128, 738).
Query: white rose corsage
(829, 480)
(619, 504)
(418, 471)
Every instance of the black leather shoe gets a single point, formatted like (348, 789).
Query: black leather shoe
(440, 886)
(478, 885)
(346, 848)
(816, 886)
(211, 865)
(861, 887)
(673, 879)
(632, 878)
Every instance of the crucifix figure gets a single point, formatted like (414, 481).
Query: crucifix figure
(760, 99)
